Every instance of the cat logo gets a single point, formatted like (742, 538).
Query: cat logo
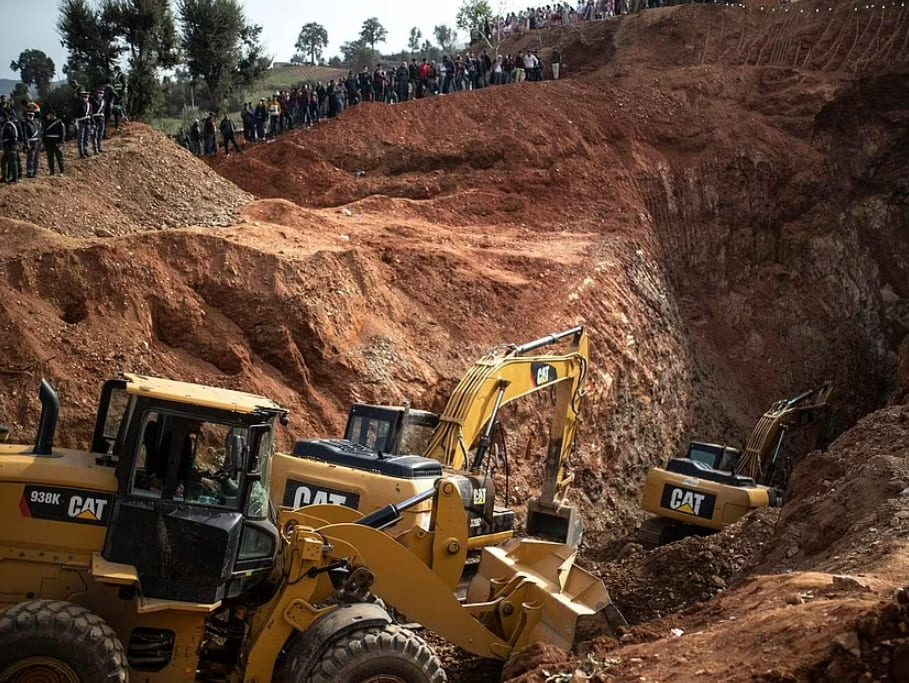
(65, 505)
(479, 496)
(89, 509)
(688, 502)
(543, 373)
(299, 494)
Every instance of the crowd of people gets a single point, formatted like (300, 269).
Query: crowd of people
(563, 14)
(309, 103)
(25, 128)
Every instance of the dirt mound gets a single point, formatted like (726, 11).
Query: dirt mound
(141, 181)
(772, 629)
(848, 507)
(874, 648)
(651, 585)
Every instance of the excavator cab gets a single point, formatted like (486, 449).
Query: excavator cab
(393, 430)
(717, 457)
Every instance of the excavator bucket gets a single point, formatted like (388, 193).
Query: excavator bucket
(541, 595)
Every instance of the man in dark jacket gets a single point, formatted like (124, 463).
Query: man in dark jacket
(82, 115)
(413, 74)
(208, 133)
(261, 116)
(227, 135)
(402, 81)
(99, 120)
(249, 123)
(54, 136)
(31, 138)
(10, 141)
(195, 138)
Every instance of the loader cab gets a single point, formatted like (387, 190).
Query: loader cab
(393, 430)
(193, 466)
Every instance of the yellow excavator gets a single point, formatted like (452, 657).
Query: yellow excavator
(716, 484)
(389, 451)
(156, 557)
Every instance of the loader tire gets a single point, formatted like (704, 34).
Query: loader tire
(379, 654)
(52, 640)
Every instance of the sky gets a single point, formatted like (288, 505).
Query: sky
(35, 24)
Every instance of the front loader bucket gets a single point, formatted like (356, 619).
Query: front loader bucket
(541, 595)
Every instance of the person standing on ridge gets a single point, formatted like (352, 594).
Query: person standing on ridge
(119, 84)
(83, 118)
(9, 140)
(98, 121)
(31, 138)
(54, 136)
(228, 136)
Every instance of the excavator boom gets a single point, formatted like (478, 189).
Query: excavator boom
(765, 442)
(505, 374)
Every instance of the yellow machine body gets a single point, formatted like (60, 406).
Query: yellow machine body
(284, 598)
(700, 502)
(368, 478)
(715, 485)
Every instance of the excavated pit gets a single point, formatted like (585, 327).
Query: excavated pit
(718, 193)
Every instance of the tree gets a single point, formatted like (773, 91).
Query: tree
(149, 34)
(91, 41)
(220, 46)
(473, 15)
(445, 37)
(413, 43)
(430, 51)
(312, 40)
(35, 68)
(372, 32)
(356, 54)
(19, 93)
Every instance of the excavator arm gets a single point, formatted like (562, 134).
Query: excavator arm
(765, 443)
(502, 376)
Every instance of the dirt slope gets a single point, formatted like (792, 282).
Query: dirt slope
(730, 209)
(718, 193)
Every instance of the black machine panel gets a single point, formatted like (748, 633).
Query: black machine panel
(181, 552)
(349, 454)
(687, 501)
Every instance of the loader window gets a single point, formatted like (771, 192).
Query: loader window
(184, 459)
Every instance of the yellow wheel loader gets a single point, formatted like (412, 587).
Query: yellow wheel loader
(388, 451)
(156, 557)
(715, 485)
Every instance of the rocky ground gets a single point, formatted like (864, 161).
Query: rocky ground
(718, 193)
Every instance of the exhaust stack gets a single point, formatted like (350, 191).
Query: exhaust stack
(50, 411)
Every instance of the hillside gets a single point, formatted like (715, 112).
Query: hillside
(718, 193)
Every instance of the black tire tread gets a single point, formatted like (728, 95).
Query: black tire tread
(652, 532)
(69, 628)
(373, 641)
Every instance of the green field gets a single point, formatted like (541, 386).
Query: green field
(290, 77)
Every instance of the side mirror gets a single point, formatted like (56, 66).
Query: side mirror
(236, 454)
